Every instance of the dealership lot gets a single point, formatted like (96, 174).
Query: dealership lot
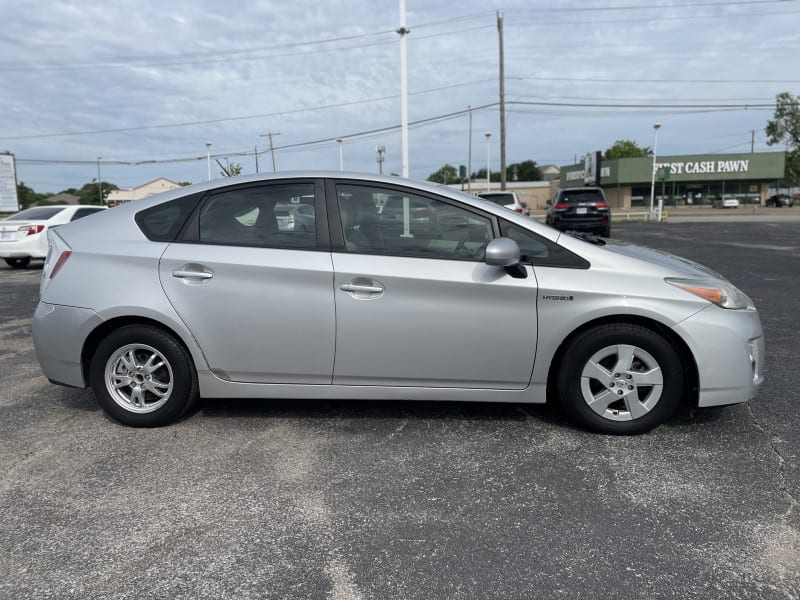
(292, 499)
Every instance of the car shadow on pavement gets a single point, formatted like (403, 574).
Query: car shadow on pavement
(546, 415)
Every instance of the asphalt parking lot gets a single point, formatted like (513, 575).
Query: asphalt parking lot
(348, 500)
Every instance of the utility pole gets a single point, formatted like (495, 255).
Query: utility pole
(469, 154)
(502, 104)
(255, 153)
(208, 159)
(381, 150)
(271, 147)
(752, 141)
(403, 32)
(99, 185)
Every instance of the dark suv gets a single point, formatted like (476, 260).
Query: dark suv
(580, 209)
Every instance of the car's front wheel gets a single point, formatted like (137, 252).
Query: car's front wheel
(143, 377)
(18, 263)
(620, 379)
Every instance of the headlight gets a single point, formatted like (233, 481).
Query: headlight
(721, 293)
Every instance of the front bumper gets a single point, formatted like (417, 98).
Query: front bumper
(59, 333)
(728, 347)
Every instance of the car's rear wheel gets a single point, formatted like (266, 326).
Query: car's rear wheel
(18, 263)
(620, 379)
(143, 377)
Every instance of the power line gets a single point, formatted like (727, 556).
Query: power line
(616, 80)
(239, 118)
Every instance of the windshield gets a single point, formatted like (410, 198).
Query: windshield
(37, 213)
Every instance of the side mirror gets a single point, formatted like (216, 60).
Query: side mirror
(502, 252)
(549, 203)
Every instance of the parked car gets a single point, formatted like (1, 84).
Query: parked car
(725, 202)
(23, 236)
(580, 209)
(507, 199)
(291, 217)
(780, 200)
(495, 307)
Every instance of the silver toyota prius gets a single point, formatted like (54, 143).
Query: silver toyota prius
(209, 290)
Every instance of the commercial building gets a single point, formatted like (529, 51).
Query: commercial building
(684, 180)
(162, 184)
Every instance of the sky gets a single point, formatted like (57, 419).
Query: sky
(145, 85)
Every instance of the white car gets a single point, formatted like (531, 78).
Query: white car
(23, 236)
(726, 202)
(507, 199)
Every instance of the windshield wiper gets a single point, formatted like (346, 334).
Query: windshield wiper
(587, 237)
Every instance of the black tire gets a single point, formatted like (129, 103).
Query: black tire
(18, 263)
(642, 405)
(163, 393)
(605, 232)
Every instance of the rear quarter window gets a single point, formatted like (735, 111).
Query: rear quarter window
(163, 222)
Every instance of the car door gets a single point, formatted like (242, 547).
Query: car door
(256, 297)
(415, 303)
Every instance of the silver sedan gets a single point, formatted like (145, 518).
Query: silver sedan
(201, 292)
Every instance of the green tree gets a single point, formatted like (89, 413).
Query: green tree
(27, 197)
(626, 149)
(785, 129)
(90, 193)
(446, 174)
(527, 170)
(230, 169)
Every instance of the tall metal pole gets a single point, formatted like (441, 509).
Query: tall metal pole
(469, 154)
(341, 156)
(381, 150)
(502, 104)
(208, 159)
(99, 185)
(656, 127)
(488, 135)
(403, 31)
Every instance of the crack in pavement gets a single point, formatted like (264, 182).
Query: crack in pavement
(773, 440)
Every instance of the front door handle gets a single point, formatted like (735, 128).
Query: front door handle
(361, 289)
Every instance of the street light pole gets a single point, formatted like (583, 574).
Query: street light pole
(656, 127)
(488, 135)
(208, 159)
(403, 31)
(99, 185)
(341, 158)
(469, 154)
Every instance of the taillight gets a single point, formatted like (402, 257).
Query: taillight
(518, 210)
(601, 204)
(31, 229)
(62, 259)
(562, 206)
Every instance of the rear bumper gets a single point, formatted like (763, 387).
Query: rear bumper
(728, 346)
(581, 224)
(59, 333)
(34, 246)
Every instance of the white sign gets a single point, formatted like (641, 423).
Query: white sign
(573, 175)
(8, 184)
(706, 167)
